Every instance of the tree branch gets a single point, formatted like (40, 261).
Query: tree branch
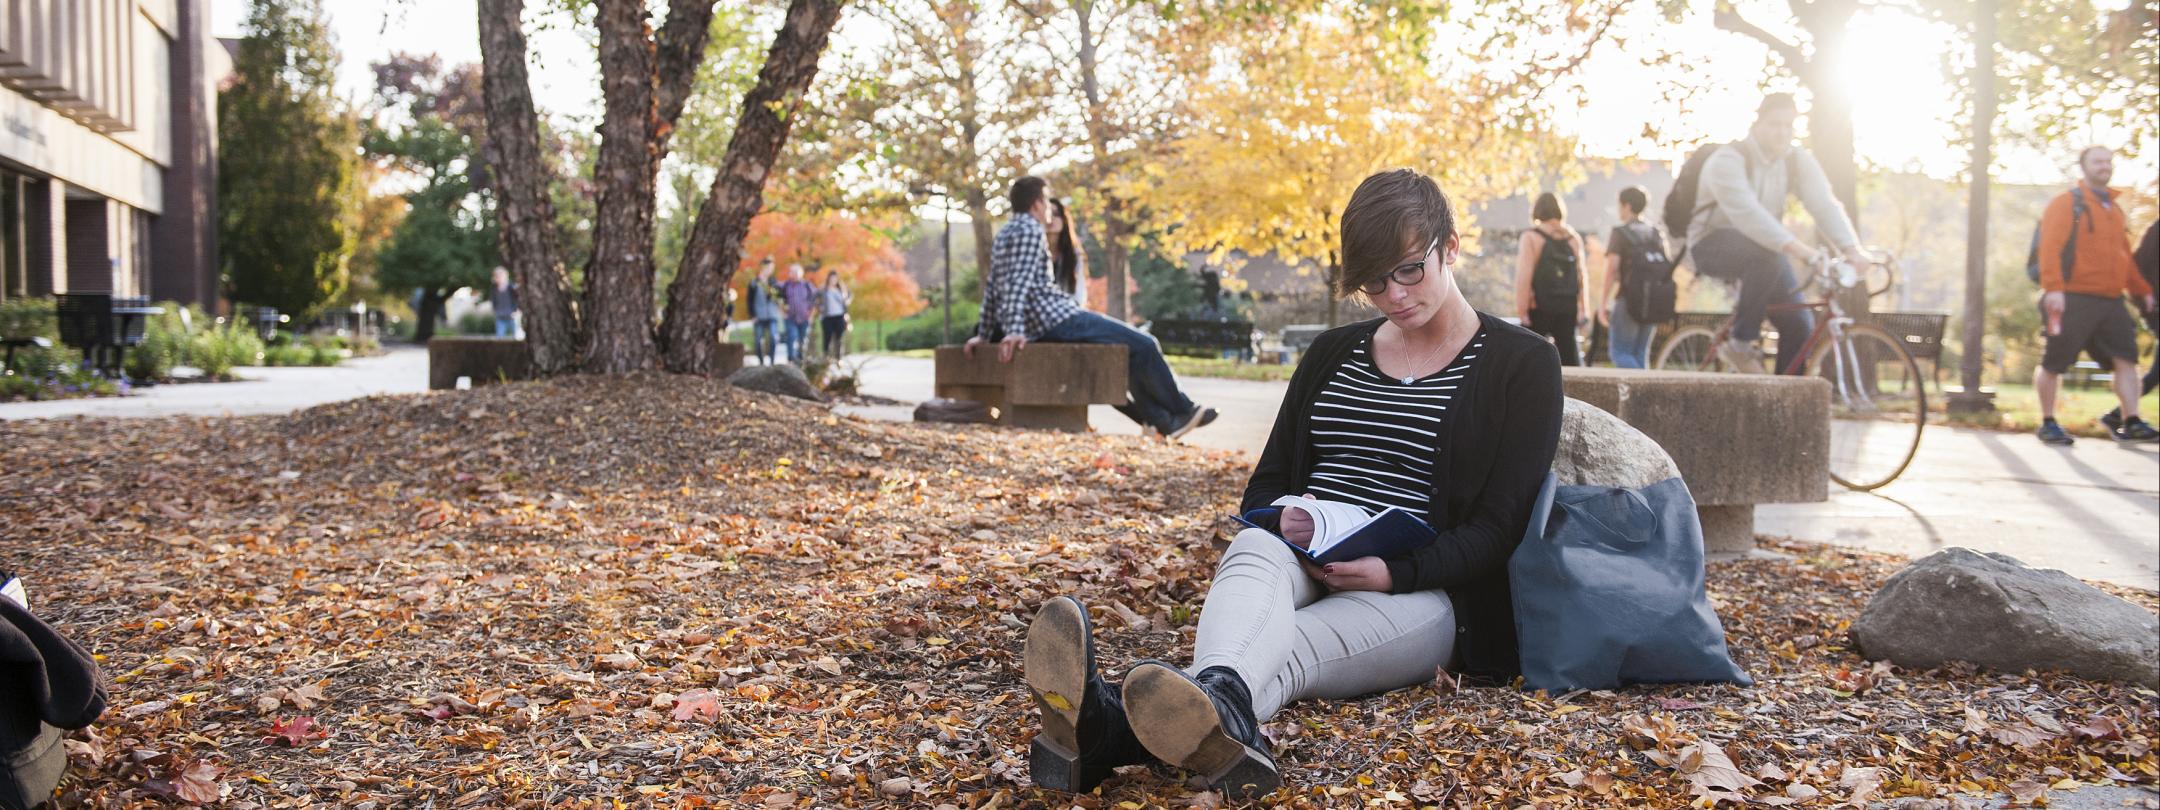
(682, 49)
(1728, 20)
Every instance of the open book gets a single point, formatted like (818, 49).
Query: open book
(1344, 531)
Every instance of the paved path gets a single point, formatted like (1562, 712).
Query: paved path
(402, 370)
(2092, 510)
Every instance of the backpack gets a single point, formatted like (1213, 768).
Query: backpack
(2069, 251)
(1646, 283)
(1680, 200)
(1557, 280)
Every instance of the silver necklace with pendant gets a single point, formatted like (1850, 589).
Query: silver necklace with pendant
(1410, 380)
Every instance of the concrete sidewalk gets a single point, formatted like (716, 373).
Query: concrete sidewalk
(2092, 510)
(402, 370)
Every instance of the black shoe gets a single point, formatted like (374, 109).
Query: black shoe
(2112, 419)
(2134, 430)
(2052, 433)
(1203, 724)
(1084, 734)
(1200, 417)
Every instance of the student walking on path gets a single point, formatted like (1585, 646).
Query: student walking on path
(833, 302)
(1436, 408)
(800, 300)
(2085, 269)
(1548, 278)
(1638, 288)
(764, 303)
(1021, 303)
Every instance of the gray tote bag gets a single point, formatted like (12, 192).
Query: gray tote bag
(1608, 589)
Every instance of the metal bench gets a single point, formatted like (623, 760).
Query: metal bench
(1203, 338)
(102, 327)
(1922, 333)
(13, 343)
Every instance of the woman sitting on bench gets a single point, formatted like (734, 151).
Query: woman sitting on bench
(1436, 408)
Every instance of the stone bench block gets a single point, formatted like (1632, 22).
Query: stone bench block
(485, 360)
(1738, 439)
(1047, 385)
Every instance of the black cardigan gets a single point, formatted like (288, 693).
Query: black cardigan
(1500, 444)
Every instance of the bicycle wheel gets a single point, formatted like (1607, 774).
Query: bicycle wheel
(1878, 405)
(1691, 349)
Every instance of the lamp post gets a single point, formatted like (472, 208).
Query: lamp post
(1972, 398)
(945, 336)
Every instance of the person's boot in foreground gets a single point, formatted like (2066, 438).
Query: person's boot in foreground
(1203, 723)
(1084, 733)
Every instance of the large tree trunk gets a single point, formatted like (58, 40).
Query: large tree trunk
(1115, 228)
(619, 277)
(696, 308)
(978, 208)
(1830, 118)
(521, 187)
(430, 312)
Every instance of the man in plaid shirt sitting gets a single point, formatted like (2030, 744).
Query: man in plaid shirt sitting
(1021, 303)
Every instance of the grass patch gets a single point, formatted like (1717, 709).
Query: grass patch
(2018, 409)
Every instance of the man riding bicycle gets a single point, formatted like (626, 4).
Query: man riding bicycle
(1736, 232)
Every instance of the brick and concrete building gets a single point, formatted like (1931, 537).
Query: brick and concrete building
(108, 148)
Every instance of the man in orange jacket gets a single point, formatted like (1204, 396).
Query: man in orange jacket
(2085, 267)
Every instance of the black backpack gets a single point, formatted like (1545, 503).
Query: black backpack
(1557, 280)
(2069, 251)
(1646, 283)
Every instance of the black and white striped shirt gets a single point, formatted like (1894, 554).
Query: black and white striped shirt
(1378, 438)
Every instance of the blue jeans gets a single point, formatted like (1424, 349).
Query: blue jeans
(1630, 341)
(1156, 400)
(506, 327)
(797, 332)
(764, 333)
(1766, 278)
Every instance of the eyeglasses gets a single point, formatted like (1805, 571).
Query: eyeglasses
(1404, 276)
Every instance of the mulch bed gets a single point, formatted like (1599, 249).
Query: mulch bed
(656, 590)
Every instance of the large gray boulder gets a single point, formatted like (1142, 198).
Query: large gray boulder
(1991, 610)
(785, 380)
(1596, 448)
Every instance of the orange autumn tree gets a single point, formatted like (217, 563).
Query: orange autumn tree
(872, 268)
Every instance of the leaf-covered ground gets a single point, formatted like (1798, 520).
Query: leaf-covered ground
(659, 591)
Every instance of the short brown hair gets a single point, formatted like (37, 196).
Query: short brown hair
(1391, 212)
(1547, 207)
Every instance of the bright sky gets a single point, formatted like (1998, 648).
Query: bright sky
(1905, 111)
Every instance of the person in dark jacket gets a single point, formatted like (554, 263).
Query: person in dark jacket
(48, 686)
(1436, 408)
(2147, 259)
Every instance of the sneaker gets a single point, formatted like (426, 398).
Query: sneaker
(1740, 356)
(2052, 433)
(1204, 724)
(1199, 418)
(2112, 419)
(2134, 430)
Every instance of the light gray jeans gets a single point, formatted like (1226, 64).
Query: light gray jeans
(1268, 620)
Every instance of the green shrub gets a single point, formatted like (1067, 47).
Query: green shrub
(287, 355)
(922, 329)
(154, 358)
(218, 349)
(476, 323)
(29, 317)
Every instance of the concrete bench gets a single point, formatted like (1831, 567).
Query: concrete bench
(1738, 439)
(484, 360)
(1047, 385)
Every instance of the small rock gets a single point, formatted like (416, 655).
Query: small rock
(983, 536)
(1962, 605)
(782, 379)
(896, 786)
